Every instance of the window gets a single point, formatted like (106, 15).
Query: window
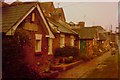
(38, 42)
(33, 17)
(50, 46)
(72, 40)
(62, 40)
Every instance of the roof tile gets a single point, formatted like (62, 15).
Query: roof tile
(12, 14)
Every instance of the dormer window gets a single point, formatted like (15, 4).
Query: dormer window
(33, 17)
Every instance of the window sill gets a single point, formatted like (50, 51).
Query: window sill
(38, 53)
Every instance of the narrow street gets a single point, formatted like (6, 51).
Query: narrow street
(85, 68)
(107, 69)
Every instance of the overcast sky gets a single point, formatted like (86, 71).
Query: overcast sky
(93, 13)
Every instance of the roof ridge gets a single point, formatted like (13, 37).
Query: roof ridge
(22, 3)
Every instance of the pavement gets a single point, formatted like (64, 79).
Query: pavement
(84, 68)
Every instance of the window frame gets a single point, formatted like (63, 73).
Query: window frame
(62, 40)
(72, 40)
(38, 37)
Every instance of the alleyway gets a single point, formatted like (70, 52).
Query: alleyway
(83, 69)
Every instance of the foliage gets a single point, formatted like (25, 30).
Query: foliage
(67, 51)
(84, 57)
(13, 56)
(98, 50)
(69, 59)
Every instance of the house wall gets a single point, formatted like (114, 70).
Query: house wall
(49, 12)
(113, 37)
(62, 17)
(59, 15)
(36, 59)
(56, 41)
(77, 43)
(67, 40)
(88, 47)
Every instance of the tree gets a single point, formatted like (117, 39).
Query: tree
(13, 55)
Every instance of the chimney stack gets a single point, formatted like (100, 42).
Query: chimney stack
(81, 24)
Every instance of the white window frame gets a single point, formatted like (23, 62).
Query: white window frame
(50, 46)
(38, 37)
(72, 40)
(62, 40)
(33, 17)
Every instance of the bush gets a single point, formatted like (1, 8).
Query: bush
(67, 51)
(69, 59)
(13, 57)
(84, 57)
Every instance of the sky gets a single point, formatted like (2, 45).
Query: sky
(93, 13)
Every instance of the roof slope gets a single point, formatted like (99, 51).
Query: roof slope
(86, 32)
(99, 28)
(61, 26)
(46, 5)
(12, 14)
(102, 36)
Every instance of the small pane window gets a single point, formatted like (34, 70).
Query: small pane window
(38, 42)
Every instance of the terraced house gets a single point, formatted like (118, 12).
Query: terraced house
(38, 29)
(40, 34)
(27, 22)
(90, 38)
(64, 36)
